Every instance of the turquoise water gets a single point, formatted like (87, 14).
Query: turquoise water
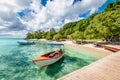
(16, 61)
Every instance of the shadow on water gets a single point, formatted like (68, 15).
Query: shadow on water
(53, 69)
(57, 68)
(75, 60)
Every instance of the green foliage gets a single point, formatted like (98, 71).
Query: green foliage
(29, 36)
(50, 34)
(104, 25)
(67, 29)
(113, 6)
(117, 0)
(77, 35)
(57, 37)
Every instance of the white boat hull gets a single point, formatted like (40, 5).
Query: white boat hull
(42, 63)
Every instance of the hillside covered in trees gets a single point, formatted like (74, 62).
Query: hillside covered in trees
(104, 26)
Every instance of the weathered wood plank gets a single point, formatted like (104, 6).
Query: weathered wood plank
(107, 68)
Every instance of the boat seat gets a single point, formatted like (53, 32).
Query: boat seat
(57, 55)
(52, 54)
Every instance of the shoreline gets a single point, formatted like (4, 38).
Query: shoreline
(89, 49)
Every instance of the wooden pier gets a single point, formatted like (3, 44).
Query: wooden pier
(107, 68)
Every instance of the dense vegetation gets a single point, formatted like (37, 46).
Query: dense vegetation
(104, 25)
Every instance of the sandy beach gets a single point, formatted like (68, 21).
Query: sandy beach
(89, 49)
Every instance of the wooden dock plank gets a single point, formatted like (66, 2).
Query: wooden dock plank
(107, 68)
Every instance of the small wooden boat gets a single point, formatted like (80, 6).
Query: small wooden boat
(26, 43)
(48, 58)
(113, 49)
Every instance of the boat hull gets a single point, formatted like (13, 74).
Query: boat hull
(42, 63)
(26, 43)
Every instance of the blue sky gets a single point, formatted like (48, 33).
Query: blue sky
(104, 5)
(101, 9)
(17, 17)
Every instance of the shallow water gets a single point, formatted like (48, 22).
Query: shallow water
(16, 61)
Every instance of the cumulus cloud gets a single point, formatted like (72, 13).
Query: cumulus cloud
(12, 34)
(57, 12)
(20, 16)
(9, 21)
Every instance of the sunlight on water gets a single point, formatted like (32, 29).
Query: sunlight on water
(16, 61)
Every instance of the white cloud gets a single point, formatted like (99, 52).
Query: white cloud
(14, 5)
(72, 20)
(57, 11)
(13, 34)
(54, 14)
(9, 22)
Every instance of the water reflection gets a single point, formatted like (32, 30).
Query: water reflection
(55, 68)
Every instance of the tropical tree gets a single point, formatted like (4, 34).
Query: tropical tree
(57, 37)
(77, 35)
